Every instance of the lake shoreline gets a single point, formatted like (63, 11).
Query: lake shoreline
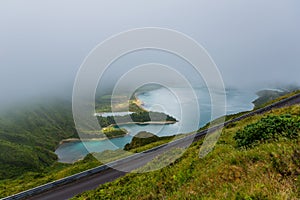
(145, 123)
(138, 103)
(145, 100)
(71, 140)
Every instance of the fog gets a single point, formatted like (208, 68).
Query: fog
(43, 43)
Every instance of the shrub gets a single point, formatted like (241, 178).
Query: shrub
(143, 138)
(268, 128)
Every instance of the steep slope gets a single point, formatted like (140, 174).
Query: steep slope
(29, 136)
(267, 170)
(33, 118)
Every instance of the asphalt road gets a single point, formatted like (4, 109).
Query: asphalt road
(93, 181)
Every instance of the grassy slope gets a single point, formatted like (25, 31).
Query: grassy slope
(228, 172)
(280, 98)
(263, 104)
(103, 104)
(30, 133)
(54, 172)
(29, 136)
(58, 116)
(57, 170)
(269, 99)
(144, 138)
(266, 96)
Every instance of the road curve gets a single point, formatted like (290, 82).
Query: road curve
(65, 191)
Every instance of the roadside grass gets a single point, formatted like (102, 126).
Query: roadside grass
(150, 146)
(278, 99)
(235, 115)
(60, 170)
(270, 170)
(56, 171)
(228, 172)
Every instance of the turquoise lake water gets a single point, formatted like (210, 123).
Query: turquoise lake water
(162, 100)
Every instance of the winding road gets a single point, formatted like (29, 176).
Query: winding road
(91, 179)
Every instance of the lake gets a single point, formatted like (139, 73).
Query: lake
(161, 100)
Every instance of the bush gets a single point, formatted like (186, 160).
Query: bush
(268, 128)
(143, 138)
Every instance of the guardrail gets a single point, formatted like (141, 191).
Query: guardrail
(195, 136)
(47, 186)
(72, 178)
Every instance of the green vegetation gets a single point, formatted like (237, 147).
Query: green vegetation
(112, 132)
(267, 97)
(281, 98)
(143, 138)
(268, 170)
(29, 136)
(268, 128)
(54, 172)
(103, 104)
(138, 117)
(57, 170)
(263, 103)
(111, 155)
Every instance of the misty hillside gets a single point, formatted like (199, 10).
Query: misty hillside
(29, 135)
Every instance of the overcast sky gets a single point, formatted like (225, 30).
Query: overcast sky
(43, 43)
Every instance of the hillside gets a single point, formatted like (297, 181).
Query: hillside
(30, 133)
(267, 167)
(29, 136)
(36, 126)
(266, 97)
(144, 138)
(137, 117)
(57, 170)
